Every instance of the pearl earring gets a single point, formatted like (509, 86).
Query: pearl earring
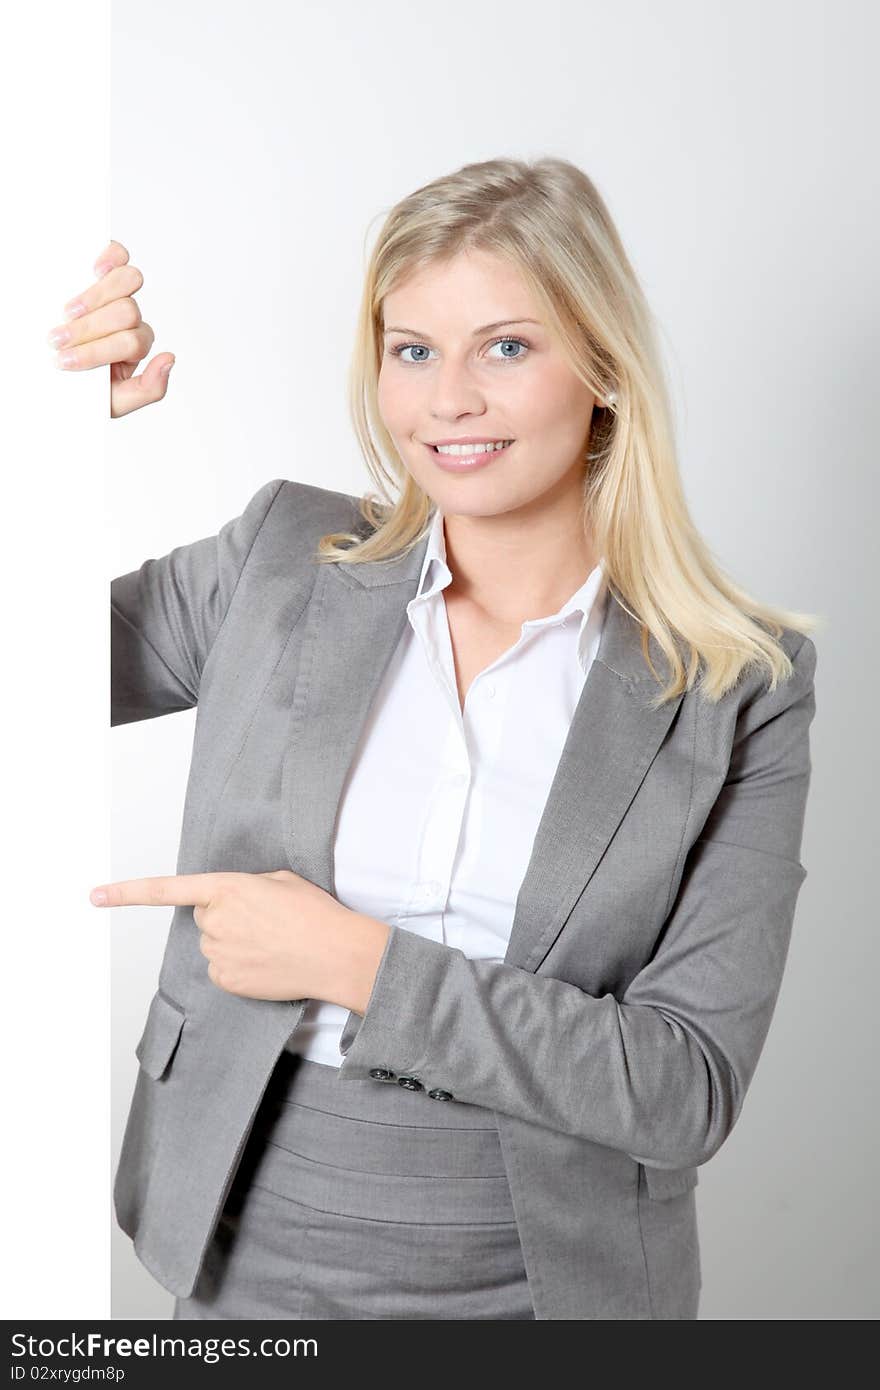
(611, 398)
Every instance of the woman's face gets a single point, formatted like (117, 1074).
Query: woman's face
(446, 376)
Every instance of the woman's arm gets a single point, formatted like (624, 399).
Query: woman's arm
(661, 1073)
(166, 615)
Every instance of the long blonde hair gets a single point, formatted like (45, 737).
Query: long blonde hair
(549, 220)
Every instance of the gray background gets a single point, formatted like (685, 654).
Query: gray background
(253, 150)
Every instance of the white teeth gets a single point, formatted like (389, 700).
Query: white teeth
(462, 449)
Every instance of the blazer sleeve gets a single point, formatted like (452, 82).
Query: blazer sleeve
(662, 1072)
(165, 616)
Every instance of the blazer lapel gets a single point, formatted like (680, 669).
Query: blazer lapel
(356, 617)
(612, 740)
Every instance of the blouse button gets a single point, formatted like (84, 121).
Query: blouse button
(490, 692)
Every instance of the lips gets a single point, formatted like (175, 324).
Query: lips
(468, 440)
(466, 463)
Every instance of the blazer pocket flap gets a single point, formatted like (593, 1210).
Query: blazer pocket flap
(670, 1182)
(160, 1036)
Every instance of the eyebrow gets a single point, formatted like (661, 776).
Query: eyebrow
(486, 328)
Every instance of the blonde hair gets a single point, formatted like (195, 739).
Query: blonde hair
(549, 220)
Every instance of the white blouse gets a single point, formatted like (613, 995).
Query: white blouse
(440, 806)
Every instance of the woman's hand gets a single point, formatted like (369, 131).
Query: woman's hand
(269, 936)
(104, 325)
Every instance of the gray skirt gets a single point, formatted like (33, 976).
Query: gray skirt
(362, 1199)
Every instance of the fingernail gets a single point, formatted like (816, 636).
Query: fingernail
(66, 359)
(165, 368)
(98, 897)
(74, 309)
(59, 336)
(102, 268)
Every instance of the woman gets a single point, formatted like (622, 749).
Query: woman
(495, 809)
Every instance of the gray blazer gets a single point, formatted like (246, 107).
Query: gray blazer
(616, 1040)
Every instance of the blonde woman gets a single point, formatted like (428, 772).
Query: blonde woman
(491, 845)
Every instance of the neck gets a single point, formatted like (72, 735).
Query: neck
(519, 564)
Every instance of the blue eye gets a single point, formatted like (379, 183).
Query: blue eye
(421, 347)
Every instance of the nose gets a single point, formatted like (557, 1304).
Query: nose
(454, 393)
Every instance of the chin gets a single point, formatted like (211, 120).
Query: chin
(455, 501)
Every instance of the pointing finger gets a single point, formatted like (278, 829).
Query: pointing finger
(170, 890)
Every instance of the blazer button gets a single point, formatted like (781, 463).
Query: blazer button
(411, 1083)
(437, 1094)
(382, 1073)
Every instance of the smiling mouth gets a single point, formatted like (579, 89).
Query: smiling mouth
(470, 451)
